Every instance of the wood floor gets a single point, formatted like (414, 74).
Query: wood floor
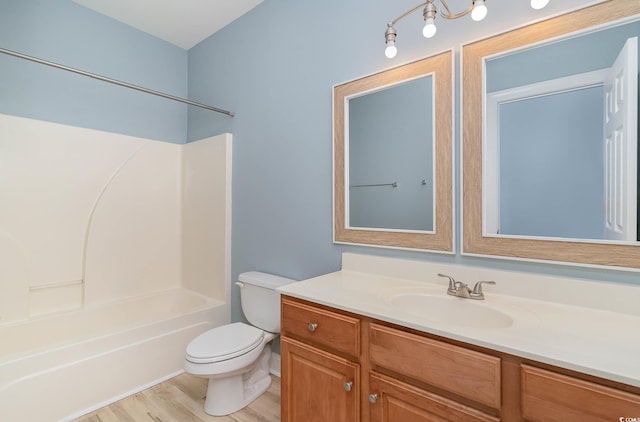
(181, 399)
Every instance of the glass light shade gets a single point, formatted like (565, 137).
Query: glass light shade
(479, 11)
(539, 4)
(391, 50)
(429, 29)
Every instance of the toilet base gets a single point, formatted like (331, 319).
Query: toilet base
(232, 392)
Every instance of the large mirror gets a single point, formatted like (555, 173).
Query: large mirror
(550, 140)
(393, 157)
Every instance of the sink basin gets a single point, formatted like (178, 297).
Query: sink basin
(451, 310)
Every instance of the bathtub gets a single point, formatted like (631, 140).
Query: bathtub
(63, 366)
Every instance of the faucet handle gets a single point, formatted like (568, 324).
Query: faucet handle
(477, 289)
(452, 281)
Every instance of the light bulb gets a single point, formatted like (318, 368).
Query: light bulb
(479, 11)
(429, 29)
(539, 4)
(391, 50)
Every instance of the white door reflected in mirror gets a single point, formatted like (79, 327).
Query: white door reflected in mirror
(560, 154)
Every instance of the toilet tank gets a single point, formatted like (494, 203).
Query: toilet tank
(259, 299)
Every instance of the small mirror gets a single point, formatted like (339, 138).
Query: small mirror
(392, 157)
(390, 150)
(552, 111)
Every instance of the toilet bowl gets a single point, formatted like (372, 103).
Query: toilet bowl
(235, 357)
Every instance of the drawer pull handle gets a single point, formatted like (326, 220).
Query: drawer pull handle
(348, 386)
(373, 398)
(313, 327)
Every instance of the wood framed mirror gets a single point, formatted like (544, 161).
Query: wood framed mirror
(393, 159)
(527, 95)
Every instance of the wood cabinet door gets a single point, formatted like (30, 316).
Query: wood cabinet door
(551, 397)
(318, 386)
(395, 401)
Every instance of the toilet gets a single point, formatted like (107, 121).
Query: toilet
(235, 357)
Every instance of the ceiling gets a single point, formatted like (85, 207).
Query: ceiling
(181, 22)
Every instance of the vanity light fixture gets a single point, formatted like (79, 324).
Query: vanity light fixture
(478, 11)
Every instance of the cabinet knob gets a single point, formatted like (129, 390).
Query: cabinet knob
(312, 327)
(348, 386)
(373, 398)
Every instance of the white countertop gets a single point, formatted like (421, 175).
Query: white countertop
(599, 342)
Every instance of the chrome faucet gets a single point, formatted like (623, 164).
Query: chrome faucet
(460, 289)
(457, 288)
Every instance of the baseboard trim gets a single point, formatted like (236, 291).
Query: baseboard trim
(274, 364)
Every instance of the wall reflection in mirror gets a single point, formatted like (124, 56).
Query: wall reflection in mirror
(561, 136)
(390, 164)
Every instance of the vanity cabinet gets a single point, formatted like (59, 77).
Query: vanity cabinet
(320, 364)
(342, 367)
(339, 366)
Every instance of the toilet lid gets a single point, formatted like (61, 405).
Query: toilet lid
(225, 342)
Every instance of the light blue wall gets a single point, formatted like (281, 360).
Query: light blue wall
(61, 31)
(391, 140)
(552, 165)
(583, 53)
(275, 67)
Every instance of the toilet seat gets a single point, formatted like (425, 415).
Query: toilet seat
(223, 343)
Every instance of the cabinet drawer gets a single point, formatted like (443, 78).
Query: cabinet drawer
(322, 327)
(397, 401)
(470, 374)
(547, 396)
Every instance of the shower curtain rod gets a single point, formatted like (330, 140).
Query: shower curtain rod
(114, 81)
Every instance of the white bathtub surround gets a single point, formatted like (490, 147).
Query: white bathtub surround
(105, 213)
(206, 225)
(586, 326)
(115, 255)
(133, 238)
